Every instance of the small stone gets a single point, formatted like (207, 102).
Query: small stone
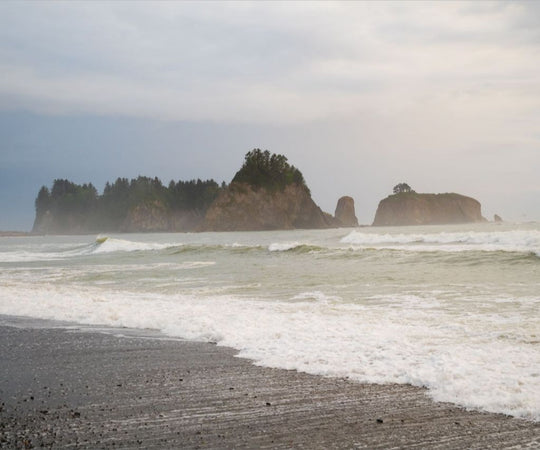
(380, 421)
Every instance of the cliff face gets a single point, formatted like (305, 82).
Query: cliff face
(345, 214)
(427, 209)
(241, 207)
(155, 217)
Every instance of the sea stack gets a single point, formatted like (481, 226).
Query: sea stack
(411, 208)
(265, 194)
(345, 213)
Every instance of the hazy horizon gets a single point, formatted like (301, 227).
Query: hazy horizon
(358, 96)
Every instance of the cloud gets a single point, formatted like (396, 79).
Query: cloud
(262, 63)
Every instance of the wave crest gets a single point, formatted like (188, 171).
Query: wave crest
(109, 245)
(522, 241)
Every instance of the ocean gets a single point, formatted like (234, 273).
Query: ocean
(455, 309)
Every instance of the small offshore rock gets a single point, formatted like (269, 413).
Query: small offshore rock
(345, 213)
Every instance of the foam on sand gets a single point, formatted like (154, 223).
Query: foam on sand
(475, 362)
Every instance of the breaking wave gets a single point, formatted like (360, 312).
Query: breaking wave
(522, 241)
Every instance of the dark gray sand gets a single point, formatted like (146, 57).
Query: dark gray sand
(80, 389)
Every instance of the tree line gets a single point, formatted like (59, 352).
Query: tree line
(82, 205)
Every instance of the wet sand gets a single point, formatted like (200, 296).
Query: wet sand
(88, 389)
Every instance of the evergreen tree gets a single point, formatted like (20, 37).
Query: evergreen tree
(269, 171)
(402, 188)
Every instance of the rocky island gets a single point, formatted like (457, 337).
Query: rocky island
(267, 193)
(406, 207)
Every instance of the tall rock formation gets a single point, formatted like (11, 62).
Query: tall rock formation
(345, 214)
(241, 207)
(267, 193)
(427, 209)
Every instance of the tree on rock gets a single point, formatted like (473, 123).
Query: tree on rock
(402, 188)
(269, 171)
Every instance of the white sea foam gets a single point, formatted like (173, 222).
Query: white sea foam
(317, 296)
(283, 246)
(110, 245)
(512, 241)
(102, 245)
(25, 255)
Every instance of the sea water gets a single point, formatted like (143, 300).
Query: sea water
(455, 309)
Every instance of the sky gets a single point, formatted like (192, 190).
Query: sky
(444, 96)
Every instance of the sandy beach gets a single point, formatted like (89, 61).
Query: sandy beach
(82, 388)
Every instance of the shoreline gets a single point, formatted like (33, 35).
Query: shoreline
(16, 233)
(89, 388)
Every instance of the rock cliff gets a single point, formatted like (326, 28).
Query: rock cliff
(427, 209)
(345, 214)
(242, 207)
(156, 217)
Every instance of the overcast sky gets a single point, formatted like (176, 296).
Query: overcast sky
(359, 96)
